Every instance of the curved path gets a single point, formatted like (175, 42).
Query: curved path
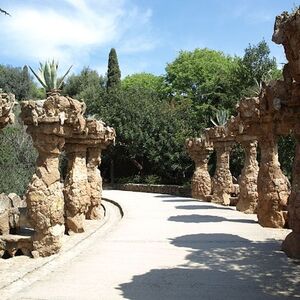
(170, 247)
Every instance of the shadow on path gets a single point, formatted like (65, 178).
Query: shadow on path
(220, 266)
(206, 219)
(180, 200)
(190, 207)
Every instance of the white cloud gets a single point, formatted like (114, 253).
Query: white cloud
(71, 31)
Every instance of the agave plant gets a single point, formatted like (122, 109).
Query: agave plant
(222, 117)
(47, 76)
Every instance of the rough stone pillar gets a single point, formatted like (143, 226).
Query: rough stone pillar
(95, 182)
(201, 181)
(291, 244)
(248, 197)
(272, 186)
(76, 187)
(44, 196)
(222, 180)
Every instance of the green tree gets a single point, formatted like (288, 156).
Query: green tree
(17, 80)
(206, 77)
(256, 66)
(150, 136)
(113, 72)
(89, 86)
(144, 81)
(201, 74)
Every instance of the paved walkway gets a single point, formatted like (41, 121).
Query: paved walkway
(170, 247)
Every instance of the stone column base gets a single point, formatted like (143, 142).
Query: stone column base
(291, 245)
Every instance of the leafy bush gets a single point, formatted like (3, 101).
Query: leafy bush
(17, 159)
(152, 179)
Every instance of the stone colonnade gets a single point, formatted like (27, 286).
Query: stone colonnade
(276, 112)
(55, 124)
(263, 190)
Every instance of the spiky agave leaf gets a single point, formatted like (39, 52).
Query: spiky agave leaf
(39, 78)
(213, 122)
(48, 75)
(222, 117)
(48, 78)
(53, 68)
(62, 79)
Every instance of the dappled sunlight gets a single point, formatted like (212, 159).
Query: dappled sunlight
(220, 266)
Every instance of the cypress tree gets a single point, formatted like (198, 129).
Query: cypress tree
(113, 85)
(113, 72)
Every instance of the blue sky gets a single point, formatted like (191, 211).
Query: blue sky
(147, 34)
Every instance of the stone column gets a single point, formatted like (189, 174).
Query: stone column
(222, 180)
(76, 187)
(291, 244)
(95, 182)
(201, 181)
(272, 186)
(44, 197)
(248, 196)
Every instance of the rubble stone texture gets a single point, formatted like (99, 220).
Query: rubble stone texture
(7, 101)
(5, 206)
(291, 245)
(99, 137)
(244, 128)
(10, 245)
(199, 150)
(222, 180)
(222, 184)
(76, 191)
(49, 122)
(248, 197)
(287, 33)
(83, 185)
(273, 187)
(44, 196)
(95, 182)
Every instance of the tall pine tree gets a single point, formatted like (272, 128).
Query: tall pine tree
(113, 72)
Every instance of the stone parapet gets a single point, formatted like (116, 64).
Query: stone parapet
(155, 188)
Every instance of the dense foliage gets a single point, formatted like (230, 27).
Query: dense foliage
(19, 82)
(17, 159)
(87, 85)
(152, 115)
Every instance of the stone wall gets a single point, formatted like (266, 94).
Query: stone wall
(153, 188)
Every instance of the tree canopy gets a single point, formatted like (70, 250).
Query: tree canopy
(17, 80)
(88, 86)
